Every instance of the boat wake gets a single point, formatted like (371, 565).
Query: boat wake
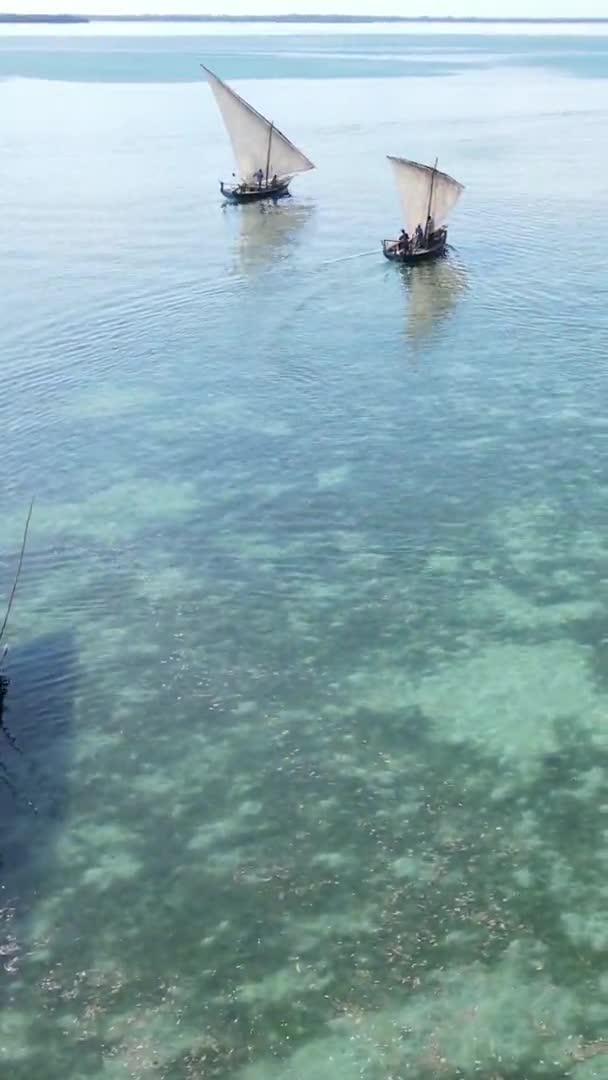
(347, 258)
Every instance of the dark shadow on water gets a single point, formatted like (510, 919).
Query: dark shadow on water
(35, 742)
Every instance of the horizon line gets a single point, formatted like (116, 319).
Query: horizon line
(298, 17)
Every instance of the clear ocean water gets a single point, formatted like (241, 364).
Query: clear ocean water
(304, 765)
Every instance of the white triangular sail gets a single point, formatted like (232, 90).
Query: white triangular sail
(257, 143)
(421, 187)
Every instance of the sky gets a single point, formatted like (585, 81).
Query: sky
(493, 8)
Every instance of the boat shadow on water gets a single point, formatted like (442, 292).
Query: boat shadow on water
(35, 747)
(268, 231)
(433, 291)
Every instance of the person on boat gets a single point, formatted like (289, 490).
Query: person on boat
(274, 183)
(259, 177)
(403, 243)
(418, 238)
(430, 229)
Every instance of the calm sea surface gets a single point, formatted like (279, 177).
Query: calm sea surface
(304, 765)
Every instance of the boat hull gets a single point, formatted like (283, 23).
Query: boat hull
(234, 195)
(412, 258)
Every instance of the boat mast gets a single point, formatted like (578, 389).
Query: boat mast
(428, 213)
(268, 156)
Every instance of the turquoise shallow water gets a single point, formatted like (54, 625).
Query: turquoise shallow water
(306, 740)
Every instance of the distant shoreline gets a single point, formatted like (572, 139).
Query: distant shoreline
(9, 18)
(301, 19)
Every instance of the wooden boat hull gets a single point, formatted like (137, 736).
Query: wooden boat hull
(234, 195)
(412, 258)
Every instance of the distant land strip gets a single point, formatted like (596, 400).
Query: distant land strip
(311, 19)
(9, 18)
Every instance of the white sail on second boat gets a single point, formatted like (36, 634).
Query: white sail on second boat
(256, 142)
(423, 191)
